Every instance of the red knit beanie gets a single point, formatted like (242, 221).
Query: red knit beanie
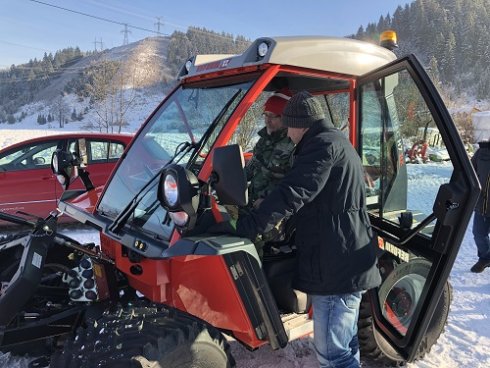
(277, 102)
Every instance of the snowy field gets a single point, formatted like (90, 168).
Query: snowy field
(465, 342)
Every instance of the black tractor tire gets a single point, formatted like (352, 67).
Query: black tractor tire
(145, 335)
(373, 345)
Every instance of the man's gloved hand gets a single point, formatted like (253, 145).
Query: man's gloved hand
(225, 227)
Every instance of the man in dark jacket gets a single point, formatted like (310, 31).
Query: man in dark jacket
(325, 192)
(481, 218)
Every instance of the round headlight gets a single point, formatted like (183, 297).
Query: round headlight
(262, 49)
(170, 190)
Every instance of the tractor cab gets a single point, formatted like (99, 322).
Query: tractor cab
(185, 165)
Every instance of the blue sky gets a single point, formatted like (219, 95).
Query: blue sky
(29, 28)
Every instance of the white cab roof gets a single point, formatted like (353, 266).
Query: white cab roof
(333, 54)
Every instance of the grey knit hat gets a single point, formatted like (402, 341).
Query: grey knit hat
(302, 111)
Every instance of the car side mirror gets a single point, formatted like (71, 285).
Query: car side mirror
(228, 177)
(68, 166)
(39, 161)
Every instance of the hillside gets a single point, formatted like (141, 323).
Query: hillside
(148, 54)
(450, 37)
(73, 90)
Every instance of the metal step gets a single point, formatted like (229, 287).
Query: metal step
(297, 325)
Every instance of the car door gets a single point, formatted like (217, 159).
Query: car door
(26, 181)
(419, 210)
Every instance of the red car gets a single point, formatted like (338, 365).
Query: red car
(26, 181)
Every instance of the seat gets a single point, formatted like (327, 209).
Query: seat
(279, 270)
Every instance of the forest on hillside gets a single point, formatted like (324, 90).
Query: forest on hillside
(19, 83)
(450, 37)
(202, 41)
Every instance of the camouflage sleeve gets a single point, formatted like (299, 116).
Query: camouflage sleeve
(280, 161)
(253, 166)
(275, 169)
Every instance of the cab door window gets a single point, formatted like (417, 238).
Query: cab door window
(402, 151)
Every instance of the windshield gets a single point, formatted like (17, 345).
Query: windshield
(186, 116)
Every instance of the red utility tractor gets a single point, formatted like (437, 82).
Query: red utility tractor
(161, 290)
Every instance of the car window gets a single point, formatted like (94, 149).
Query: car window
(99, 151)
(105, 151)
(42, 158)
(115, 150)
(28, 157)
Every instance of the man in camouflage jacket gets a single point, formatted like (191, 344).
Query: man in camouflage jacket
(271, 159)
(272, 153)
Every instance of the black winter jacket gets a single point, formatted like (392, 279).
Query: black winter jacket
(481, 163)
(325, 192)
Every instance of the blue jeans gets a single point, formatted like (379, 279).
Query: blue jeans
(481, 228)
(335, 329)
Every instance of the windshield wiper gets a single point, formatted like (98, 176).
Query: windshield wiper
(213, 125)
(182, 149)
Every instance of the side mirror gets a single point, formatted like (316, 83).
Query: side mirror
(64, 166)
(39, 161)
(68, 165)
(228, 176)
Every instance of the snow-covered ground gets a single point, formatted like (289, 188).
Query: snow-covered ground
(465, 342)
(143, 103)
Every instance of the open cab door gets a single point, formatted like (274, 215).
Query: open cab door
(419, 208)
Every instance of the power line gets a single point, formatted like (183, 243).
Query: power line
(26, 46)
(95, 16)
(196, 29)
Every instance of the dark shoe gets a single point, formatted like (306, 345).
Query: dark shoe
(480, 265)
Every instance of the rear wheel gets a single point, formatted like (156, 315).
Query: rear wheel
(145, 335)
(398, 296)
